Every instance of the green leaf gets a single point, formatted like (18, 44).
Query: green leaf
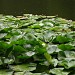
(61, 39)
(18, 49)
(29, 73)
(24, 67)
(68, 63)
(65, 47)
(70, 54)
(2, 35)
(67, 59)
(58, 71)
(48, 57)
(4, 72)
(52, 49)
(4, 45)
(19, 73)
(30, 53)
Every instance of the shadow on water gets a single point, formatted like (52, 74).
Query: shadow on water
(62, 8)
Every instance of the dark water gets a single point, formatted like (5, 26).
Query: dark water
(62, 8)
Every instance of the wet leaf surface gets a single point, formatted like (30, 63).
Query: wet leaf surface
(37, 45)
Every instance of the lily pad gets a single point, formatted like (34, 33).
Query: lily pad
(24, 67)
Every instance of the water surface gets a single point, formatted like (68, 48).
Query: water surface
(62, 8)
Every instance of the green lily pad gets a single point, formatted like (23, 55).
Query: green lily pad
(4, 72)
(58, 71)
(24, 67)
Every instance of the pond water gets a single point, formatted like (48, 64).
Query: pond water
(62, 8)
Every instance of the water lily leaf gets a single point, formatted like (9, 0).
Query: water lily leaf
(4, 45)
(17, 50)
(67, 59)
(58, 71)
(2, 35)
(24, 67)
(16, 37)
(61, 39)
(19, 42)
(30, 53)
(8, 61)
(36, 26)
(55, 62)
(67, 63)
(52, 48)
(29, 73)
(4, 72)
(66, 54)
(19, 73)
(65, 47)
(70, 54)
(61, 55)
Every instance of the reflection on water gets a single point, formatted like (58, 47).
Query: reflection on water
(62, 8)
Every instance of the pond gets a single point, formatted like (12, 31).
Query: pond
(62, 8)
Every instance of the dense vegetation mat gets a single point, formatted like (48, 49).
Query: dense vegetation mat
(37, 45)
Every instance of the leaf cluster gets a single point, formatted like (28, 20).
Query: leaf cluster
(32, 42)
